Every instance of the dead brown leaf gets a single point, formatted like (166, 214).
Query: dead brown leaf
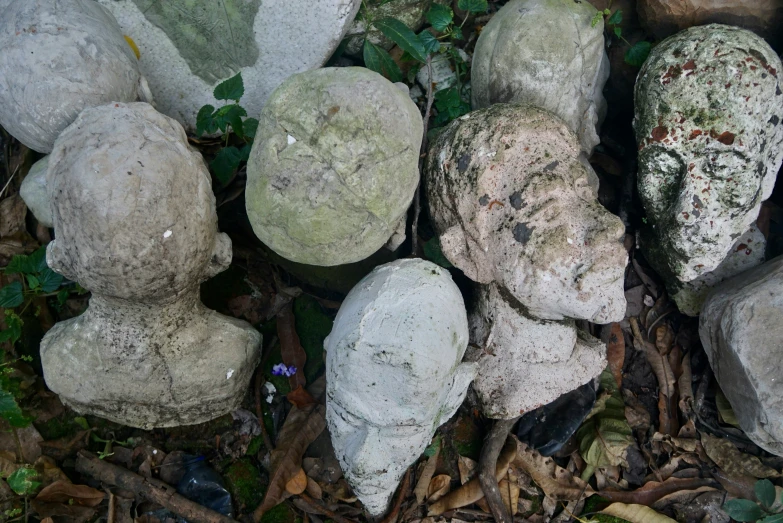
(314, 489)
(12, 215)
(291, 349)
(439, 486)
(297, 484)
(75, 513)
(301, 427)
(468, 468)
(615, 352)
(300, 398)
(728, 457)
(652, 491)
(667, 394)
(422, 485)
(67, 492)
(556, 482)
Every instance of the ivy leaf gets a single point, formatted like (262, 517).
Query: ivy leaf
(638, 53)
(402, 35)
(35, 262)
(50, 280)
(616, 17)
(32, 281)
(14, 330)
(765, 492)
(205, 121)
(450, 105)
(742, 510)
(244, 152)
(596, 18)
(473, 6)
(10, 411)
(225, 163)
(12, 295)
(431, 44)
(618, 31)
(378, 60)
(251, 126)
(440, 17)
(231, 89)
(22, 482)
(231, 115)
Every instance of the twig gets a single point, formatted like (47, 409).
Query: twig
(260, 380)
(490, 452)
(319, 508)
(395, 511)
(422, 155)
(150, 489)
(112, 507)
(9, 181)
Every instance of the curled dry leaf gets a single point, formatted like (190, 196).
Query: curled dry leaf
(439, 486)
(509, 494)
(297, 484)
(729, 458)
(471, 491)
(68, 493)
(427, 472)
(652, 491)
(636, 513)
(615, 352)
(556, 482)
(314, 489)
(468, 469)
(291, 349)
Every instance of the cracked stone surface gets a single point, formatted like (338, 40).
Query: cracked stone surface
(708, 106)
(56, 58)
(545, 53)
(525, 362)
(741, 330)
(135, 221)
(394, 373)
(187, 47)
(33, 192)
(334, 165)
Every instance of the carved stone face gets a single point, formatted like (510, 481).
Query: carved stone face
(106, 172)
(514, 205)
(394, 373)
(708, 125)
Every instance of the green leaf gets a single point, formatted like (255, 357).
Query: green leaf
(378, 60)
(10, 411)
(50, 280)
(62, 296)
(244, 152)
(743, 510)
(205, 121)
(618, 31)
(638, 53)
(450, 105)
(22, 482)
(82, 422)
(32, 281)
(12, 295)
(775, 518)
(473, 6)
(607, 12)
(616, 17)
(225, 163)
(402, 35)
(456, 33)
(596, 18)
(765, 492)
(251, 126)
(35, 262)
(14, 330)
(433, 252)
(231, 115)
(431, 44)
(312, 326)
(440, 17)
(231, 89)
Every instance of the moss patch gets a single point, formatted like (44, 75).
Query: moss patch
(246, 484)
(280, 514)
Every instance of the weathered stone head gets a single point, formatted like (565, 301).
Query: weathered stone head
(56, 58)
(708, 124)
(513, 205)
(394, 373)
(548, 54)
(135, 220)
(334, 166)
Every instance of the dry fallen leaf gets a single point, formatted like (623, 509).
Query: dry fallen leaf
(439, 486)
(314, 489)
(667, 384)
(615, 352)
(68, 493)
(297, 484)
(420, 491)
(291, 349)
(556, 482)
(652, 491)
(635, 513)
(729, 458)
(468, 468)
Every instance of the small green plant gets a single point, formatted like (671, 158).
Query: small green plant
(638, 52)
(229, 118)
(762, 512)
(23, 481)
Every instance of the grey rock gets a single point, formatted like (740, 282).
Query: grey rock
(545, 53)
(334, 165)
(708, 106)
(56, 58)
(187, 47)
(134, 216)
(33, 192)
(741, 330)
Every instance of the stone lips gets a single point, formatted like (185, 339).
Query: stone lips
(56, 58)
(334, 165)
(741, 331)
(708, 105)
(285, 37)
(545, 53)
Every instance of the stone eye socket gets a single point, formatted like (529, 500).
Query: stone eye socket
(733, 177)
(660, 175)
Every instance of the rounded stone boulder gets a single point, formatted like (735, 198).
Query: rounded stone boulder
(187, 47)
(334, 166)
(57, 58)
(33, 192)
(548, 54)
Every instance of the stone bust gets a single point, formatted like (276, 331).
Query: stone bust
(394, 373)
(517, 211)
(135, 221)
(708, 110)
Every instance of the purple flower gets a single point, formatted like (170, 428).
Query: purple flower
(281, 369)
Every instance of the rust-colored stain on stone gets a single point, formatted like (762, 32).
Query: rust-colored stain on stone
(659, 133)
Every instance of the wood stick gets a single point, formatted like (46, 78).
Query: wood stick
(318, 508)
(395, 511)
(490, 452)
(150, 489)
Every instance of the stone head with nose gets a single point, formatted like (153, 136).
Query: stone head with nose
(708, 106)
(514, 205)
(394, 373)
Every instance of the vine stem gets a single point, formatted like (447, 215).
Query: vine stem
(493, 444)
(422, 156)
